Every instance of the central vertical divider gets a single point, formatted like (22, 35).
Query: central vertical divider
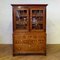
(29, 20)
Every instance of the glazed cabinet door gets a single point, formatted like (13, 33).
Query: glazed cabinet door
(21, 19)
(37, 19)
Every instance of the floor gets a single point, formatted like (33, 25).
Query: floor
(53, 53)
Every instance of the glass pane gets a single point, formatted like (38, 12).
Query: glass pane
(37, 12)
(21, 12)
(40, 26)
(37, 26)
(40, 19)
(37, 23)
(21, 21)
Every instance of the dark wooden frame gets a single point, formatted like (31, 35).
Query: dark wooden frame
(29, 4)
(13, 27)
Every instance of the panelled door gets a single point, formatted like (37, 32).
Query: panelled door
(21, 19)
(37, 20)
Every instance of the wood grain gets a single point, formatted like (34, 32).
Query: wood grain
(29, 39)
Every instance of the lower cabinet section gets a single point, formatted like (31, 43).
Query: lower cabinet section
(29, 43)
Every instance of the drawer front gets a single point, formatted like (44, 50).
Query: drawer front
(28, 38)
(29, 42)
(22, 48)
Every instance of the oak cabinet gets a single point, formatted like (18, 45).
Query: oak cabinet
(29, 28)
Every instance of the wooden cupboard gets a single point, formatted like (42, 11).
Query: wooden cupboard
(29, 29)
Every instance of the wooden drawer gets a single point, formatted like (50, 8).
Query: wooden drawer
(28, 48)
(28, 38)
(24, 47)
(25, 41)
(29, 42)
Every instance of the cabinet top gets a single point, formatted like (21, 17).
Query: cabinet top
(29, 4)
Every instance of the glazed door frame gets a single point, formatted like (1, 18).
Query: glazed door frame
(43, 20)
(27, 15)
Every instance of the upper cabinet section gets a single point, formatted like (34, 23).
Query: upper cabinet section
(29, 17)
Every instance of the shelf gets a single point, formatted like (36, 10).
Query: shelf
(21, 26)
(21, 13)
(37, 12)
(37, 15)
(22, 16)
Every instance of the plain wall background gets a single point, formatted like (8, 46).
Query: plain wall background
(53, 19)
